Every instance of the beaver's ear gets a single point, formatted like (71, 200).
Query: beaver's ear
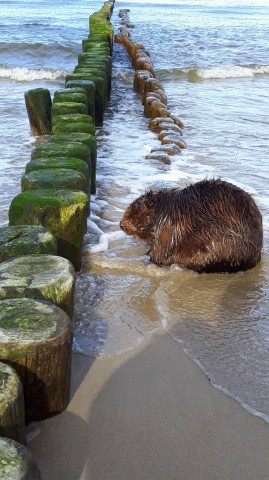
(150, 199)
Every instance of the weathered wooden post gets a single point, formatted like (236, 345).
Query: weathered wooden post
(16, 461)
(36, 339)
(25, 240)
(12, 416)
(38, 105)
(46, 277)
(62, 212)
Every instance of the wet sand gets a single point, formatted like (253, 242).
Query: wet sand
(150, 414)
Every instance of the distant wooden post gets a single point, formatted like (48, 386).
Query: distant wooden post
(38, 104)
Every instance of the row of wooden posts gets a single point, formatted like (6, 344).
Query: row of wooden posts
(167, 125)
(41, 248)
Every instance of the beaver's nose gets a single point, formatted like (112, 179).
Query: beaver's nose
(121, 225)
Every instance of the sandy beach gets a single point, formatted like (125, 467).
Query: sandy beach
(149, 414)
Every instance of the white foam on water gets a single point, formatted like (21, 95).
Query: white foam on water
(105, 239)
(235, 71)
(29, 75)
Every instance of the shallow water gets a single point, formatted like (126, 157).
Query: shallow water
(212, 58)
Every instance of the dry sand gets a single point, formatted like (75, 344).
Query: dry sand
(150, 414)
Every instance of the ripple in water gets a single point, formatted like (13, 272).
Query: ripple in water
(113, 313)
(222, 323)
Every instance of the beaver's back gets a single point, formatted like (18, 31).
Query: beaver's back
(209, 226)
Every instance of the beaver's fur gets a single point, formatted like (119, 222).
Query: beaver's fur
(210, 226)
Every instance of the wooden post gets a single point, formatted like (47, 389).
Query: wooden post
(25, 240)
(12, 418)
(46, 277)
(36, 339)
(16, 462)
(38, 104)
(62, 212)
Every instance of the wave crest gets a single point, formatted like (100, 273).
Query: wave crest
(196, 74)
(235, 71)
(28, 74)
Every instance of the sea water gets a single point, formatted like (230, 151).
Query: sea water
(212, 58)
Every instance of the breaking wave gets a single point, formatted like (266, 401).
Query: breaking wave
(28, 74)
(196, 74)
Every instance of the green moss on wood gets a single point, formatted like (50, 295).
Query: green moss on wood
(62, 178)
(76, 97)
(38, 105)
(24, 240)
(89, 140)
(71, 149)
(73, 127)
(26, 321)
(12, 416)
(89, 89)
(100, 92)
(16, 461)
(67, 108)
(62, 212)
(40, 277)
(60, 162)
(71, 118)
(36, 339)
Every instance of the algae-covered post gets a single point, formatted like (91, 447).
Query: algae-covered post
(36, 339)
(41, 277)
(63, 135)
(59, 163)
(16, 461)
(62, 212)
(62, 178)
(89, 88)
(24, 240)
(38, 105)
(12, 417)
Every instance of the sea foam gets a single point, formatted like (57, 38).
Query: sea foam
(235, 71)
(29, 75)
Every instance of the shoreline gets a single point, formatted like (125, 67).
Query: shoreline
(150, 413)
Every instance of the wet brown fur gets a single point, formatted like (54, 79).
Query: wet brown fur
(211, 226)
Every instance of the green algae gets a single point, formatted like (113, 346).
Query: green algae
(26, 320)
(58, 162)
(12, 416)
(62, 178)
(24, 240)
(16, 461)
(71, 149)
(73, 127)
(100, 92)
(71, 118)
(38, 105)
(68, 108)
(89, 89)
(88, 139)
(40, 277)
(62, 212)
(76, 97)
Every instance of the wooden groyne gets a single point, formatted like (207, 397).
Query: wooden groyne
(164, 123)
(41, 248)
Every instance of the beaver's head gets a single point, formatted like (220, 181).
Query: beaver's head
(139, 218)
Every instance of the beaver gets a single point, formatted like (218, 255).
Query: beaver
(211, 226)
